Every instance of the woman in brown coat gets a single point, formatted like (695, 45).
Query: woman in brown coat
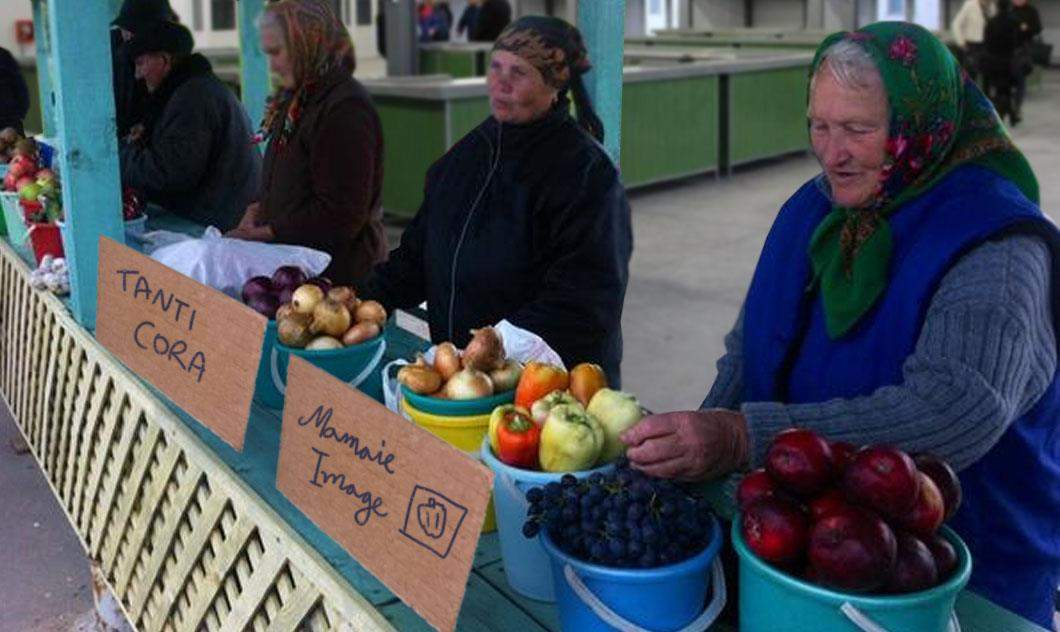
(323, 169)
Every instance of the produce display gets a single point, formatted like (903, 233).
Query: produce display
(13, 144)
(480, 370)
(132, 204)
(311, 313)
(52, 275)
(562, 422)
(37, 188)
(624, 519)
(863, 521)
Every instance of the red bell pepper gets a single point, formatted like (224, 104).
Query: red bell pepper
(518, 438)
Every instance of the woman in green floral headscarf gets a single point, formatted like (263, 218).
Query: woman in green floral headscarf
(903, 297)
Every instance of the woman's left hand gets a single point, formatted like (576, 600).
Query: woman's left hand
(688, 446)
(262, 232)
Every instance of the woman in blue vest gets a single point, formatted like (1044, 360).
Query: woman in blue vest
(905, 296)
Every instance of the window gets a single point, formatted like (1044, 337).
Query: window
(223, 15)
(364, 12)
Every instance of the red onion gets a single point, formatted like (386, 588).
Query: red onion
(257, 286)
(264, 304)
(288, 277)
(323, 283)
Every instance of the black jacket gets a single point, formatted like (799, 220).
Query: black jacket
(493, 16)
(14, 95)
(195, 157)
(130, 95)
(537, 233)
(1028, 22)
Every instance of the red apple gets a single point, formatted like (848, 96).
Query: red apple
(926, 516)
(842, 455)
(800, 461)
(883, 479)
(757, 484)
(776, 530)
(945, 478)
(10, 180)
(852, 549)
(945, 555)
(914, 568)
(22, 166)
(826, 503)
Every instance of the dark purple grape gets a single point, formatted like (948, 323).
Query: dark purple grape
(534, 494)
(531, 528)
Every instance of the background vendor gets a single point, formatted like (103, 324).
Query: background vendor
(525, 218)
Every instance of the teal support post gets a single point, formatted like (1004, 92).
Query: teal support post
(602, 23)
(87, 138)
(44, 76)
(253, 67)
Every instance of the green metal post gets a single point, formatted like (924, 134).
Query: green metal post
(602, 23)
(44, 77)
(88, 147)
(253, 67)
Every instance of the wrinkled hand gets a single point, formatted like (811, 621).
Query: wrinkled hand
(688, 446)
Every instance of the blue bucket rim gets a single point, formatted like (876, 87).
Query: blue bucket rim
(533, 477)
(699, 561)
(953, 585)
(457, 407)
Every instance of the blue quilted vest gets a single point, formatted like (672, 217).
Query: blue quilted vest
(1010, 516)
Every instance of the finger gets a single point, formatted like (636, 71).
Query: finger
(656, 450)
(674, 468)
(651, 426)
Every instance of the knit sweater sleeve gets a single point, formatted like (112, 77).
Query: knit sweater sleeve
(727, 390)
(986, 354)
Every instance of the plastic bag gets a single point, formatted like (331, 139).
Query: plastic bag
(226, 264)
(519, 344)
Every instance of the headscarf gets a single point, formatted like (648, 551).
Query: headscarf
(940, 120)
(318, 45)
(557, 50)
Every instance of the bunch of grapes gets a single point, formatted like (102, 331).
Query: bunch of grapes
(624, 519)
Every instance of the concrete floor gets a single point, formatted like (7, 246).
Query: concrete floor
(696, 243)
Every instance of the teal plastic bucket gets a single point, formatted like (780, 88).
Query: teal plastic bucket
(17, 231)
(773, 600)
(594, 598)
(357, 365)
(456, 407)
(526, 565)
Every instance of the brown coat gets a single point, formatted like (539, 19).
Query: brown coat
(322, 188)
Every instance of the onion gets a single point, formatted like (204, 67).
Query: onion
(257, 286)
(264, 304)
(285, 296)
(294, 331)
(323, 343)
(507, 377)
(345, 295)
(330, 318)
(469, 384)
(288, 277)
(447, 360)
(420, 379)
(285, 310)
(371, 310)
(360, 333)
(485, 352)
(306, 297)
(323, 283)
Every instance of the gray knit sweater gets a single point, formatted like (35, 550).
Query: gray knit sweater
(985, 356)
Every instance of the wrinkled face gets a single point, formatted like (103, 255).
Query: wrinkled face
(518, 93)
(275, 48)
(153, 69)
(848, 130)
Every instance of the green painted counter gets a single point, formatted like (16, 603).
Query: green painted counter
(454, 59)
(766, 114)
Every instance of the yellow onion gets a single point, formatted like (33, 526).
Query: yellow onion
(371, 310)
(331, 318)
(285, 311)
(420, 379)
(323, 343)
(360, 333)
(293, 330)
(468, 384)
(447, 360)
(485, 352)
(306, 297)
(345, 295)
(506, 377)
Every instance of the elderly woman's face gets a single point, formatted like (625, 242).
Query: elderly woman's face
(275, 48)
(518, 93)
(848, 130)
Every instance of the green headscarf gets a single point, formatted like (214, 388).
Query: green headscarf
(939, 121)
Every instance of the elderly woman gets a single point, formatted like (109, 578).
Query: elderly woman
(903, 297)
(323, 170)
(525, 218)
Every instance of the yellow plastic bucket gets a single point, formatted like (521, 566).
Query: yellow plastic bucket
(463, 433)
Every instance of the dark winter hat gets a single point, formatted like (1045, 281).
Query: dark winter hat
(139, 15)
(163, 37)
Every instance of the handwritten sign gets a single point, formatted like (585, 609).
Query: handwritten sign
(408, 506)
(196, 345)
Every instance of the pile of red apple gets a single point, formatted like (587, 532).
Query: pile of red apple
(863, 521)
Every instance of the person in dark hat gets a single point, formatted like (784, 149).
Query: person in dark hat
(525, 218)
(135, 16)
(14, 95)
(191, 153)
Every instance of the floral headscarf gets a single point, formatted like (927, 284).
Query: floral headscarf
(318, 44)
(939, 121)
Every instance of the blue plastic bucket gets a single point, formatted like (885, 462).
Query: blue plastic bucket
(357, 365)
(17, 231)
(663, 599)
(526, 565)
(773, 600)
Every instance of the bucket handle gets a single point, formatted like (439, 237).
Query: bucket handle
(278, 382)
(702, 622)
(865, 624)
(513, 489)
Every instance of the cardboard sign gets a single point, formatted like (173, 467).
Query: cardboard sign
(193, 343)
(408, 506)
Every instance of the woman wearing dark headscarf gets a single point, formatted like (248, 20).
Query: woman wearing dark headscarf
(524, 218)
(907, 296)
(323, 169)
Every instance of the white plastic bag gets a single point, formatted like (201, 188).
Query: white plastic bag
(519, 344)
(226, 264)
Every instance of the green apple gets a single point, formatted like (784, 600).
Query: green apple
(616, 411)
(29, 191)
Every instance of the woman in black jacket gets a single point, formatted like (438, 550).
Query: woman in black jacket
(525, 218)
